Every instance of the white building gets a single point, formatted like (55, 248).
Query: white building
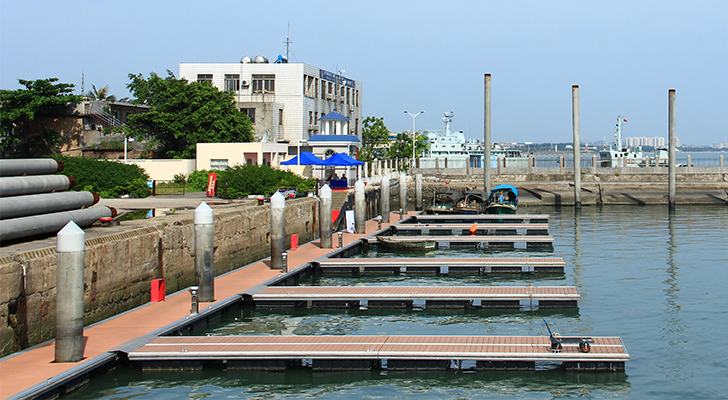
(286, 103)
(644, 141)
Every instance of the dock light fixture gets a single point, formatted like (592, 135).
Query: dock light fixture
(414, 133)
(194, 299)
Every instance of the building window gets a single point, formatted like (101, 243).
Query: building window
(310, 117)
(280, 117)
(309, 90)
(264, 83)
(219, 164)
(250, 112)
(202, 78)
(316, 86)
(232, 82)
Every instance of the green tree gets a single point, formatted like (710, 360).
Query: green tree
(22, 112)
(402, 146)
(184, 114)
(100, 94)
(375, 139)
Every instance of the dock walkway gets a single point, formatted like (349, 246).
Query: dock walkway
(523, 297)
(443, 242)
(445, 265)
(384, 351)
(482, 218)
(476, 228)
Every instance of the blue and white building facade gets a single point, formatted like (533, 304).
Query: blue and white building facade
(291, 104)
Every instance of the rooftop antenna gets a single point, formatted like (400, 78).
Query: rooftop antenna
(288, 40)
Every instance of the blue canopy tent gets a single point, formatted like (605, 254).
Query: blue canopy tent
(307, 158)
(341, 160)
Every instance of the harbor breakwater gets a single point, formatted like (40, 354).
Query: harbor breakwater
(121, 265)
(600, 186)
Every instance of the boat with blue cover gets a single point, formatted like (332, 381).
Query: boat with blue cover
(503, 199)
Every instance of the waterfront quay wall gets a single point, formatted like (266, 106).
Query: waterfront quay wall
(120, 266)
(606, 186)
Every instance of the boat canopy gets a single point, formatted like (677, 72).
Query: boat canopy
(507, 187)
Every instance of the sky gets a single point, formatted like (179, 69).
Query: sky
(415, 55)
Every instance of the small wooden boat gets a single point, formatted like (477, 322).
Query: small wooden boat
(444, 202)
(472, 202)
(403, 243)
(503, 199)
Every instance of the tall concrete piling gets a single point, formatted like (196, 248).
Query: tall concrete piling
(486, 136)
(403, 191)
(277, 230)
(671, 151)
(71, 249)
(204, 253)
(577, 145)
(384, 199)
(326, 197)
(360, 208)
(418, 192)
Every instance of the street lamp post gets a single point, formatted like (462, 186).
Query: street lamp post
(126, 141)
(413, 130)
(298, 156)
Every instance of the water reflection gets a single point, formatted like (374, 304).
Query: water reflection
(254, 321)
(222, 384)
(673, 327)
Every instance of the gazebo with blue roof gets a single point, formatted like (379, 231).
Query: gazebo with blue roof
(334, 138)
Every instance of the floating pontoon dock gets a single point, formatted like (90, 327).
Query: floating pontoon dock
(444, 242)
(476, 228)
(444, 265)
(346, 353)
(520, 297)
(484, 218)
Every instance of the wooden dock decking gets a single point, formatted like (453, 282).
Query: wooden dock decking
(383, 351)
(471, 218)
(480, 228)
(479, 240)
(445, 265)
(522, 297)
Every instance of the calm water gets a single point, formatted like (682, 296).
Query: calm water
(655, 279)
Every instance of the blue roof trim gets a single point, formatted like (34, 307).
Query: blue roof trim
(334, 116)
(334, 138)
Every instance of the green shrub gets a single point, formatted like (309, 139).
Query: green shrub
(107, 178)
(241, 181)
(198, 179)
(180, 178)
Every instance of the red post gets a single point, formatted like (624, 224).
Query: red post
(294, 242)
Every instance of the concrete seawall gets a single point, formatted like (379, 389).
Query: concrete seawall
(636, 186)
(122, 261)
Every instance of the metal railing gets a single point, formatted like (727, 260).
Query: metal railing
(167, 187)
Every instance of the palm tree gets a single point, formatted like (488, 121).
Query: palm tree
(100, 94)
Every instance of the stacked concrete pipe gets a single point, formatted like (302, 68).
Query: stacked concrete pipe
(34, 202)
